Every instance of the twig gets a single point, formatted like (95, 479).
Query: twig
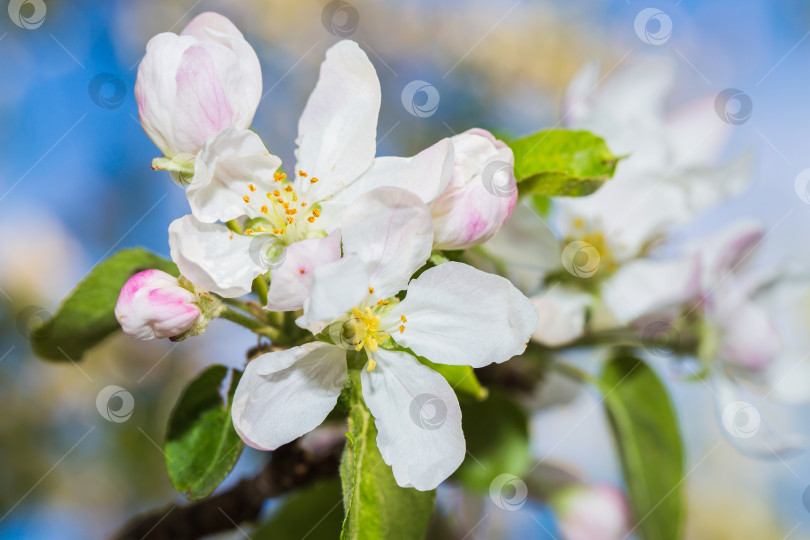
(289, 468)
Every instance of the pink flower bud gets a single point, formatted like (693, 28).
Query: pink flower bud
(191, 86)
(595, 512)
(481, 195)
(153, 305)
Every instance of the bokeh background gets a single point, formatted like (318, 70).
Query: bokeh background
(75, 185)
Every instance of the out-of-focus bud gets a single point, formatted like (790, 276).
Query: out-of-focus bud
(152, 304)
(193, 85)
(592, 512)
(481, 195)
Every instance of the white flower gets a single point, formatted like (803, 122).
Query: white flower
(193, 85)
(153, 305)
(287, 220)
(481, 195)
(603, 245)
(595, 512)
(452, 314)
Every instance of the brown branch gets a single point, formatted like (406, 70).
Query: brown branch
(289, 468)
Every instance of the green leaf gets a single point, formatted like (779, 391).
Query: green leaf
(375, 506)
(497, 434)
(86, 316)
(646, 430)
(314, 513)
(562, 163)
(461, 378)
(201, 444)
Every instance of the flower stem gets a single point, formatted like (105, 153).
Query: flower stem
(251, 324)
(260, 288)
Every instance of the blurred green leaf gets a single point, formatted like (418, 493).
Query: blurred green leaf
(86, 316)
(497, 435)
(375, 506)
(646, 430)
(201, 444)
(563, 163)
(461, 378)
(314, 512)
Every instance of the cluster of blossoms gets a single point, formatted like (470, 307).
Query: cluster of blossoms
(339, 236)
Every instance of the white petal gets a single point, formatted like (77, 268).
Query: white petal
(426, 174)
(562, 315)
(459, 315)
(645, 286)
(285, 394)
(390, 229)
(226, 165)
(213, 257)
(338, 129)
(418, 419)
(291, 281)
(336, 288)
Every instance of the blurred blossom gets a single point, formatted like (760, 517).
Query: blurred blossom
(481, 194)
(604, 244)
(592, 512)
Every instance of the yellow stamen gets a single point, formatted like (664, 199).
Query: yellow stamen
(246, 199)
(402, 318)
(371, 364)
(371, 290)
(313, 180)
(302, 173)
(311, 219)
(290, 211)
(264, 209)
(288, 188)
(249, 231)
(303, 204)
(276, 193)
(401, 328)
(251, 187)
(290, 220)
(316, 212)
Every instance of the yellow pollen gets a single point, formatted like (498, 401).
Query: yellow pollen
(371, 290)
(294, 198)
(303, 204)
(276, 193)
(264, 209)
(276, 231)
(251, 187)
(402, 318)
(290, 220)
(260, 228)
(302, 173)
(285, 205)
(371, 364)
(316, 212)
(269, 195)
(246, 199)
(278, 177)
(311, 219)
(401, 328)
(290, 211)
(313, 180)
(249, 231)
(280, 200)
(382, 302)
(288, 188)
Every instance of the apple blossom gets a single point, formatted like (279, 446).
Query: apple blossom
(289, 221)
(193, 85)
(481, 194)
(152, 304)
(451, 313)
(595, 512)
(603, 245)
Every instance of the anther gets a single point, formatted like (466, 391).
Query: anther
(246, 199)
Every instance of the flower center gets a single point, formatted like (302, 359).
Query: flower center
(365, 328)
(280, 211)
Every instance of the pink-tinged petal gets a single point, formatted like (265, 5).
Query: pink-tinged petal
(201, 107)
(337, 131)
(481, 195)
(336, 288)
(283, 395)
(291, 281)
(153, 305)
